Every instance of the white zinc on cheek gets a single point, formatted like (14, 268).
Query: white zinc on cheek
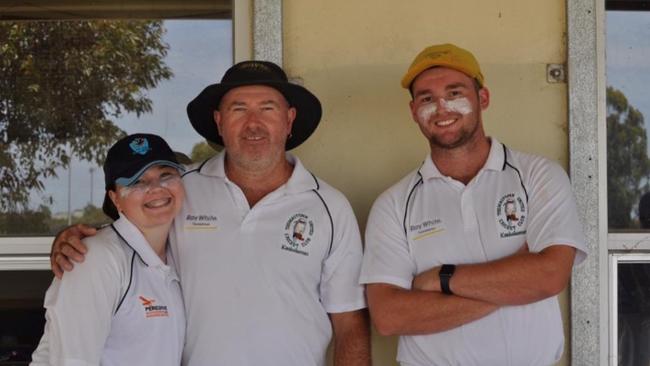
(426, 111)
(460, 105)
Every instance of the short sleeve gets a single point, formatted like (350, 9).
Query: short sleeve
(387, 257)
(339, 288)
(79, 310)
(553, 211)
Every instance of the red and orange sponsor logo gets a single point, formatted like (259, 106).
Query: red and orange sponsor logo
(151, 310)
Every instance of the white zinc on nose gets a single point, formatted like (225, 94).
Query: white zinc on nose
(460, 105)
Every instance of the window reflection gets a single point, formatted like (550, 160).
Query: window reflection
(628, 111)
(633, 314)
(73, 87)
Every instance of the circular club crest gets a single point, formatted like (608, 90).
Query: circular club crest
(299, 230)
(511, 212)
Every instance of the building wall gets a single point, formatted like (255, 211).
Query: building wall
(352, 55)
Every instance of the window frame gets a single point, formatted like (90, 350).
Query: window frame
(257, 34)
(615, 259)
(590, 301)
(593, 304)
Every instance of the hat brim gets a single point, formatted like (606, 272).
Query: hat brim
(127, 181)
(308, 110)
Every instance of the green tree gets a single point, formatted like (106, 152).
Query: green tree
(628, 166)
(90, 215)
(61, 85)
(203, 151)
(27, 222)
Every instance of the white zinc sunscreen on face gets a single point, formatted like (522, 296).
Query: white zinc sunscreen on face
(460, 105)
(426, 111)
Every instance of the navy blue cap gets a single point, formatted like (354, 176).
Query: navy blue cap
(129, 158)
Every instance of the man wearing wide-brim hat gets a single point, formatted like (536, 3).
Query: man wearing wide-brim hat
(267, 294)
(465, 256)
(268, 254)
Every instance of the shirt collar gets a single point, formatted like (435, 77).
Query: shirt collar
(300, 180)
(134, 238)
(495, 161)
(215, 166)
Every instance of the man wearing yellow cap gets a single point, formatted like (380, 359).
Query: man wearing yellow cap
(465, 256)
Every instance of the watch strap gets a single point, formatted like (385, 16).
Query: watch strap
(446, 271)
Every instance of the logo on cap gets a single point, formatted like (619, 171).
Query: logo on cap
(140, 146)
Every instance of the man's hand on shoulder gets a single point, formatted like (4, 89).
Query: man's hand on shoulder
(67, 248)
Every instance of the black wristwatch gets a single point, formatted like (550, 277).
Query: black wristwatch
(446, 271)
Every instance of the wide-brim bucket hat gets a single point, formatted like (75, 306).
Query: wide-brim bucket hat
(308, 108)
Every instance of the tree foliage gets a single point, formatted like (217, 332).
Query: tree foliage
(202, 151)
(61, 85)
(628, 166)
(30, 222)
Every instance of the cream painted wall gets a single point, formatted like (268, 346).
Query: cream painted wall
(352, 54)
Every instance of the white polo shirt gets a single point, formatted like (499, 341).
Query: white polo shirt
(428, 219)
(121, 306)
(259, 283)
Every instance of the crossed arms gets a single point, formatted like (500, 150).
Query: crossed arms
(479, 289)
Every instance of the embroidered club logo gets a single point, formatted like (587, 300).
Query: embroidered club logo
(139, 146)
(298, 232)
(151, 310)
(511, 215)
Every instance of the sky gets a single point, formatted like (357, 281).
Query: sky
(200, 51)
(628, 57)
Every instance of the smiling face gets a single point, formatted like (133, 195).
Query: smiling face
(153, 200)
(447, 107)
(254, 122)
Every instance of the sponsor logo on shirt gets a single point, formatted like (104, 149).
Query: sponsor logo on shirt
(426, 228)
(511, 215)
(151, 310)
(200, 222)
(298, 232)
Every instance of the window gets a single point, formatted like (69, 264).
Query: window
(627, 114)
(630, 316)
(74, 86)
(253, 36)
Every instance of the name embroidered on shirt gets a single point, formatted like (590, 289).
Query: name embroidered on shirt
(426, 228)
(200, 222)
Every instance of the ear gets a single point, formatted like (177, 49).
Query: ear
(291, 116)
(113, 196)
(216, 115)
(484, 98)
(414, 113)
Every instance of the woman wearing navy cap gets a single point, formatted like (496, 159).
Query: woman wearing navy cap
(123, 305)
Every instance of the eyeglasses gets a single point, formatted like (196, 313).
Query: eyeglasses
(166, 180)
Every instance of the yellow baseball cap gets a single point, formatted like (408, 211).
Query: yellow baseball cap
(447, 55)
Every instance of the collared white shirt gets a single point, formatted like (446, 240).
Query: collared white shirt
(259, 282)
(428, 219)
(121, 306)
